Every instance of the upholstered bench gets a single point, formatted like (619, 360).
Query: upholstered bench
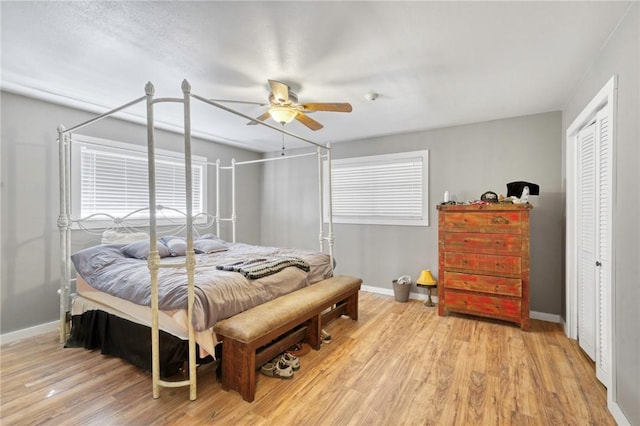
(253, 337)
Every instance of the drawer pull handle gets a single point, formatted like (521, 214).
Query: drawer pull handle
(500, 220)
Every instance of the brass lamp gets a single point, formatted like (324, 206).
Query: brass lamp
(427, 280)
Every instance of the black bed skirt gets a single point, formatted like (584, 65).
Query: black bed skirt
(128, 340)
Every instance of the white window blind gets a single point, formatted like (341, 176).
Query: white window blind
(386, 189)
(112, 177)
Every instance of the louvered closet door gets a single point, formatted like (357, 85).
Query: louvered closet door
(586, 240)
(594, 245)
(604, 203)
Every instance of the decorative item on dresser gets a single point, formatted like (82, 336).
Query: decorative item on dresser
(483, 265)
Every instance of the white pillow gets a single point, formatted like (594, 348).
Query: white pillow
(112, 236)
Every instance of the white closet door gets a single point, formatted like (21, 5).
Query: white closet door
(603, 247)
(586, 240)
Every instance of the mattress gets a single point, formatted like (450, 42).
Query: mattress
(219, 292)
(173, 322)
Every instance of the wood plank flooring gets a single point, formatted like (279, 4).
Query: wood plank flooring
(400, 364)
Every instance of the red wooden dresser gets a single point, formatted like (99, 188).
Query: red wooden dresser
(483, 266)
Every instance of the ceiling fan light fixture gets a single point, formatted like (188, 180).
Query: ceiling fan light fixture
(282, 115)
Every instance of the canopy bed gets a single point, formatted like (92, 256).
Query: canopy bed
(160, 264)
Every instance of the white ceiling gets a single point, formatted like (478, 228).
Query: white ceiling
(434, 64)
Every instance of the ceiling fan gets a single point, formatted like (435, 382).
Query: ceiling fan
(284, 107)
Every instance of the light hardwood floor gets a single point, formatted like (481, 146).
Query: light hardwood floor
(399, 364)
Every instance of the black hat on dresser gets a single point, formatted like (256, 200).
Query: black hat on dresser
(514, 189)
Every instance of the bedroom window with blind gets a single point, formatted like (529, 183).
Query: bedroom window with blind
(388, 189)
(112, 177)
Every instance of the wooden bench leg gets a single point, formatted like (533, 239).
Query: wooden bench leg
(238, 368)
(352, 306)
(314, 331)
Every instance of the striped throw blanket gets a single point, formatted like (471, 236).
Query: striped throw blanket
(263, 266)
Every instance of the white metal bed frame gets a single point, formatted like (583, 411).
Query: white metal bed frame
(65, 221)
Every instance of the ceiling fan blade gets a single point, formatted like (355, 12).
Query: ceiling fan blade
(337, 107)
(261, 118)
(280, 92)
(308, 121)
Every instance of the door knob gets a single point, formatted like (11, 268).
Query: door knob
(598, 263)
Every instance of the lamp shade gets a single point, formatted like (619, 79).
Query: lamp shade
(283, 115)
(426, 278)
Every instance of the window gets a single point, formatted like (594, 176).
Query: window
(111, 177)
(386, 189)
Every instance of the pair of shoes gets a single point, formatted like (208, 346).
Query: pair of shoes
(288, 359)
(326, 337)
(299, 349)
(277, 369)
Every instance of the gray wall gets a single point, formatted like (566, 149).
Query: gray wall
(465, 160)
(30, 206)
(621, 56)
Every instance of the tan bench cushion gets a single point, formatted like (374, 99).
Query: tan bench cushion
(250, 325)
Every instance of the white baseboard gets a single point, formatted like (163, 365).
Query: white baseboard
(617, 413)
(36, 330)
(389, 292)
(377, 290)
(543, 316)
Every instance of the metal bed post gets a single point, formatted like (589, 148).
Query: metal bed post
(232, 218)
(233, 198)
(320, 200)
(330, 201)
(190, 255)
(153, 260)
(67, 233)
(218, 197)
(64, 224)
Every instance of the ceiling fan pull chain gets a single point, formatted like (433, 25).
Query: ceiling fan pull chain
(282, 142)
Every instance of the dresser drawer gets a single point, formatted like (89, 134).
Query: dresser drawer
(483, 263)
(475, 242)
(483, 284)
(497, 222)
(483, 305)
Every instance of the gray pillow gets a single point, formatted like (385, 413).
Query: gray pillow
(209, 246)
(177, 245)
(140, 250)
(95, 258)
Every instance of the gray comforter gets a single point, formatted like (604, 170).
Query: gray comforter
(219, 294)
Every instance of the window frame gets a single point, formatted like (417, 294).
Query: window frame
(165, 217)
(422, 220)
